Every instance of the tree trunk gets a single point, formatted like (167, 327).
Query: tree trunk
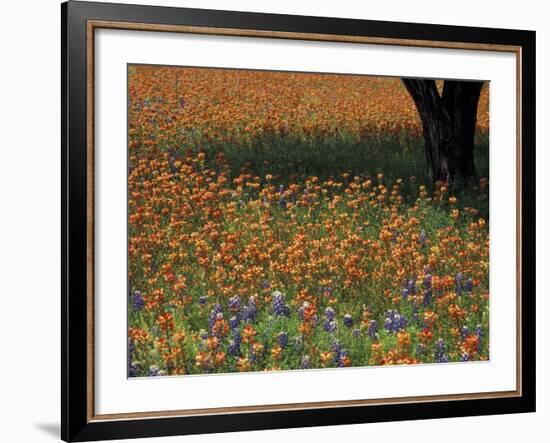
(448, 125)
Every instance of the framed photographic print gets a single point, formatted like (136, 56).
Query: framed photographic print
(277, 221)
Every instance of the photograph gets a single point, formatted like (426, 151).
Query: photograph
(283, 220)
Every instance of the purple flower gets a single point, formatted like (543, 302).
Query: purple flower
(282, 339)
(133, 366)
(252, 356)
(217, 309)
(234, 303)
(440, 356)
(427, 281)
(279, 307)
(234, 321)
(339, 353)
(306, 362)
(480, 335)
(133, 369)
(329, 326)
(137, 301)
(314, 319)
(282, 200)
(372, 330)
(469, 285)
(329, 313)
(202, 300)
(428, 295)
(411, 286)
(343, 354)
(464, 332)
(154, 371)
(394, 321)
(234, 348)
(337, 348)
(250, 310)
(348, 320)
(465, 356)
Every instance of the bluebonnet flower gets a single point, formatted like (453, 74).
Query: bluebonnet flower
(411, 286)
(440, 356)
(329, 313)
(458, 283)
(479, 333)
(201, 344)
(340, 354)
(137, 301)
(372, 330)
(251, 310)
(464, 332)
(342, 358)
(252, 356)
(394, 321)
(133, 369)
(464, 356)
(217, 309)
(282, 200)
(314, 319)
(133, 366)
(234, 321)
(428, 295)
(337, 348)
(202, 300)
(282, 339)
(234, 303)
(329, 325)
(265, 284)
(234, 348)
(279, 306)
(348, 320)
(153, 371)
(427, 281)
(469, 285)
(306, 362)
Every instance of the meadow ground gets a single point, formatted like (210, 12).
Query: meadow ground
(283, 221)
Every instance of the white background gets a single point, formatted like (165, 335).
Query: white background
(117, 394)
(30, 207)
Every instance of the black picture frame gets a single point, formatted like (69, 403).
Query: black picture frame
(76, 424)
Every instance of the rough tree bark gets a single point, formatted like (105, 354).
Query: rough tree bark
(448, 125)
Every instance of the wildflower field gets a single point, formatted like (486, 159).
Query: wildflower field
(282, 221)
